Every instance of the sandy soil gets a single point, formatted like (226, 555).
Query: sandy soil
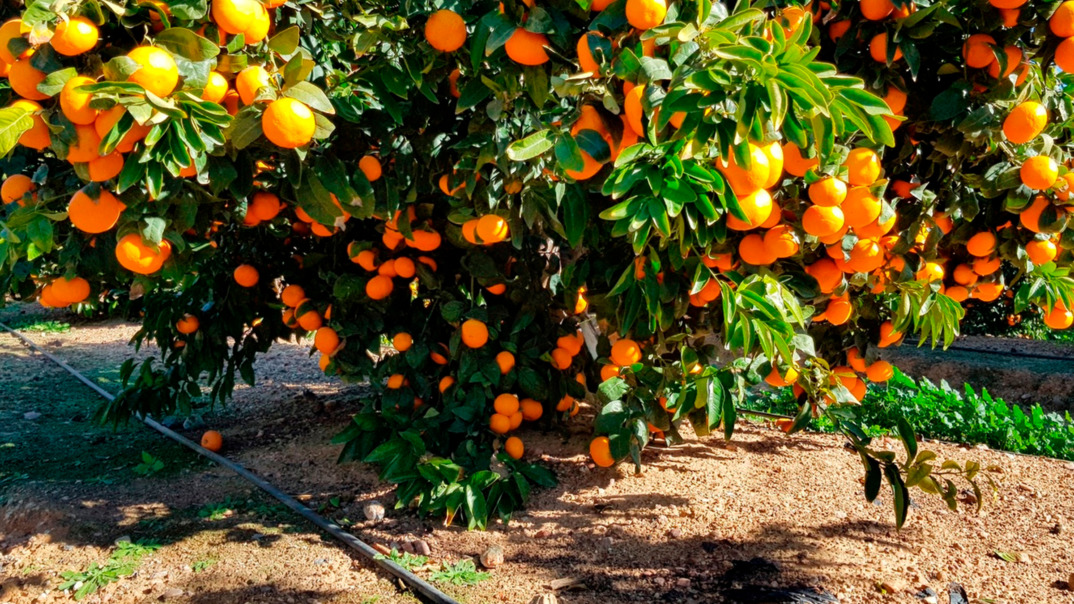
(685, 530)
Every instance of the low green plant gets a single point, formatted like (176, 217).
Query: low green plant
(38, 325)
(218, 510)
(201, 565)
(463, 572)
(940, 411)
(122, 563)
(150, 465)
(406, 560)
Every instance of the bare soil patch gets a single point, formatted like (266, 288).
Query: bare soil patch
(701, 521)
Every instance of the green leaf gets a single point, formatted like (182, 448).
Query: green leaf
(14, 121)
(312, 96)
(54, 82)
(187, 44)
(532, 146)
(285, 42)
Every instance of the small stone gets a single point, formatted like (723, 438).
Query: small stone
(682, 583)
(31, 416)
(659, 581)
(492, 557)
(675, 533)
(408, 547)
(893, 585)
(373, 511)
(171, 593)
(542, 534)
(421, 547)
(1023, 557)
(607, 542)
(320, 562)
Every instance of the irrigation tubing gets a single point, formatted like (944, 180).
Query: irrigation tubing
(417, 584)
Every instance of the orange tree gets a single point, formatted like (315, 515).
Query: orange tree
(495, 212)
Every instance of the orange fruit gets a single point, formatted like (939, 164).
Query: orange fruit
(827, 274)
(108, 119)
(645, 14)
(981, 244)
(74, 36)
(445, 31)
(366, 259)
(216, 88)
(600, 450)
(828, 192)
(1009, 16)
(1062, 20)
(753, 251)
(866, 256)
(838, 29)
(85, 147)
(781, 241)
(821, 221)
(188, 324)
(625, 352)
(531, 409)
(861, 207)
(246, 275)
(880, 371)
(758, 208)
(16, 187)
(1039, 172)
(402, 341)
(586, 60)
(1058, 317)
(38, 136)
(506, 361)
(137, 256)
(863, 167)
(105, 167)
(746, 180)
(855, 360)
(527, 48)
(445, 383)
(932, 271)
(506, 404)
(94, 216)
(234, 16)
(794, 163)
(425, 241)
(292, 295)
(491, 229)
(1014, 59)
(958, 293)
(561, 359)
(326, 340)
(633, 109)
(288, 123)
(212, 440)
(987, 292)
(876, 229)
(1041, 251)
(70, 291)
(404, 267)
(11, 29)
(1064, 56)
(158, 73)
(888, 335)
(500, 424)
(513, 446)
(896, 99)
(1030, 216)
(772, 151)
(370, 167)
(1025, 122)
(265, 205)
(307, 317)
(878, 49)
(259, 27)
(379, 287)
(250, 81)
(964, 275)
(876, 10)
(1007, 4)
(572, 343)
(396, 381)
(475, 334)
(977, 51)
(776, 380)
(24, 78)
(986, 266)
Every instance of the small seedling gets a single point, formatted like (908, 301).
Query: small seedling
(150, 465)
(122, 563)
(463, 572)
(404, 559)
(134, 551)
(203, 564)
(216, 511)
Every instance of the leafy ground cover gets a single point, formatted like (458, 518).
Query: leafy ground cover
(940, 411)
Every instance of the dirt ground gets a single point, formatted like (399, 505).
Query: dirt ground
(704, 522)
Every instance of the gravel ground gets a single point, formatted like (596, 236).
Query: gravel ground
(699, 522)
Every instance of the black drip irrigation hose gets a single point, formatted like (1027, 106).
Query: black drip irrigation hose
(1006, 353)
(417, 584)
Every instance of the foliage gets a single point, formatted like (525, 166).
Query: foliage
(405, 559)
(599, 222)
(149, 466)
(463, 572)
(202, 564)
(122, 563)
(944, 413)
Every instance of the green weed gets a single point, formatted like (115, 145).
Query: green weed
(404, 559)
(122, 563)
(463, 572)
(150, 465)
(201, 565)
(39, 325)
